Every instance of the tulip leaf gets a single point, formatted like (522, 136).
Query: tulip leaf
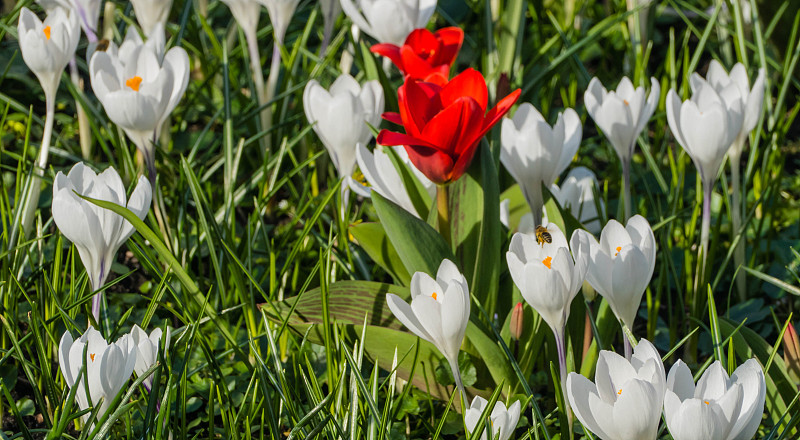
(475, 226)
(351, 302)
(419, 246)
(372, 238)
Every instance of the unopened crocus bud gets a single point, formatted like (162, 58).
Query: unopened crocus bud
(791, 351)
(517, 321)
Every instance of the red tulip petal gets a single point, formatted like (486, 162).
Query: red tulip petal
(390, 138)
(389, 51)
(464, 160)
(439, 76)
(393, 117)
(455, 127)
(451, 39)
(468, 83)
(499, 111)
(422, 41)
(416, 67)
(418, 103)
(436, 165)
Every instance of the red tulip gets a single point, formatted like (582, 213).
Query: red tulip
(444, 124)
(425, 55)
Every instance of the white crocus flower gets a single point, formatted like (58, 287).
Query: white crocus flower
(150, 13)
(280, 14)
(626, 398)
(576, 193)
(621, 114)
(752, 100)
(546, 274)
(621, 264)
(439, 311)
(502, 421)
(389, 21)
(139, 88)
(96, 232)
(108, 367)
(383, 177)
(341, 116)
(48, 46)
(549, 279)
(147, 351)
(703, 126)
(50, 5)
(719, 407)
(535, 153)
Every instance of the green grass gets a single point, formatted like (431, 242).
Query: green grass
(251, 265)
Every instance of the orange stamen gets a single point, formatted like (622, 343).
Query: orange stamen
(47, 32)
(619, 248)
(706, 402)
(626, 102)
(134, 83)
(547, 262)
(620, 391)
(92, 356)
(433, 295)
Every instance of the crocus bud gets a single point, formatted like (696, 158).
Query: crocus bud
(517, 321)
(147, 351)
(791, 350)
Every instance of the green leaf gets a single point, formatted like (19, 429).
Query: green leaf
(419, 246)
(475, 226)
(372, 238)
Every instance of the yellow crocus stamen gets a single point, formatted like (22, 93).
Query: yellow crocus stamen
(134, 83)
(626, 102)
(47, 32)
(547, 262)
(433, 295)
(619, 248)
(706, 402)
(619, 392)
(91, 356)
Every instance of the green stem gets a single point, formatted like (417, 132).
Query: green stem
(444, 212)
(736, 218)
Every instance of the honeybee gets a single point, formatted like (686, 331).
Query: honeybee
(542, 236)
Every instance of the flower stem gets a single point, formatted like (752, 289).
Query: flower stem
(736, 217)
(626, 187)
(457, 376)
(704, 232)
(83, 122)
(32, 199)
(444, 212)
(258, 81)
(272, 84)
(628, 348)
(562, 363)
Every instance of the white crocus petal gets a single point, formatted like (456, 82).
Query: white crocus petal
(504, 212)
(439, 310)
(383, 177)
(88, 11)
(96, 232)
(750, 376)
(341, 116)
(147, 351)
(719, 407)
(626, 399)
(246, 13)
(150, 13)
(108, 367)
(280, 13)
(389, 21)
(50, 5)
(502, 420)
(576, 193)
(621, 114)
(621, 264)
(535, 153)
(48, 46)
(546, 274)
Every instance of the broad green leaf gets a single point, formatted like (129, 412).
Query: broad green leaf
(372, 238)
(351, 302)
(475, 226)
(419, 246)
